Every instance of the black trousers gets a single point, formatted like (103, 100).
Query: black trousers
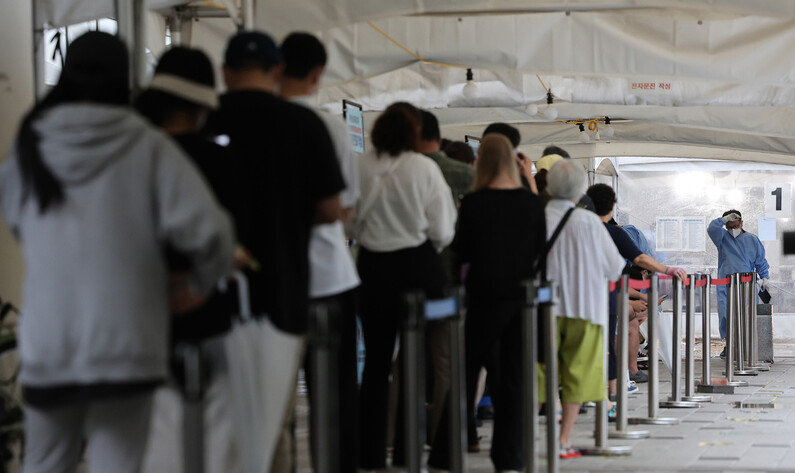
(493, 331)
(385, 279)
(348, 389)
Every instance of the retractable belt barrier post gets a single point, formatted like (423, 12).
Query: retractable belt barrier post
(622, 352)
(654, 363)
(600, 447)
(546, 311)
(530, 377)
(690, 345)
(675, 400)
(412, 349)
(731, 321)
(739, 328)
(706, 385)
(324, 337)
(192, 360)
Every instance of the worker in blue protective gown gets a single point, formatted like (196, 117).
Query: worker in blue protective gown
(738, 252)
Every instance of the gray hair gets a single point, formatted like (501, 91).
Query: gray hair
(566, 180)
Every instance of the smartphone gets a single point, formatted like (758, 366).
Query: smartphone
(664, 296)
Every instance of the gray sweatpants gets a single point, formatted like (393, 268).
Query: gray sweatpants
(115, 431)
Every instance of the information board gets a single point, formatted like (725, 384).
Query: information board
(687, 233)
(355, 119)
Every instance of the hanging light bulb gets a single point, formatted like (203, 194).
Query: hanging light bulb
(531, 109)
(470, 88)
(584, 138)
(597, 136)
(608, 129)
(550, 112)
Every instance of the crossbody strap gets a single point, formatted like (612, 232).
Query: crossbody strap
(541, 265)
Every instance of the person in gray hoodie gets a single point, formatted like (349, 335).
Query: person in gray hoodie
(94, 195)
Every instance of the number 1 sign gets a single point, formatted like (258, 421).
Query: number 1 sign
(778, 200)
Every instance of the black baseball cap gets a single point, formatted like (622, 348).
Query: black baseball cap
(249, 45)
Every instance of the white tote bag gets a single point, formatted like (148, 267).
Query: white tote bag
(263, 364)
(664, 336)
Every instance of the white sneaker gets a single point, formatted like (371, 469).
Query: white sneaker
(632, 388)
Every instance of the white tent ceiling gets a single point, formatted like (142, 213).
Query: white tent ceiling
(728, 88)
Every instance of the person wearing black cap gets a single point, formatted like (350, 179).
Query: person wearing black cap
(93, 193)
(293, 181)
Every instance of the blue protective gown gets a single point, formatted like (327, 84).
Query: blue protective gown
(743, 254)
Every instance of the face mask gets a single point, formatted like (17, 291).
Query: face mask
(736, 232)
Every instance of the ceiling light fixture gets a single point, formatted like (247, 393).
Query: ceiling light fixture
(584, 138)
(470, 88)
(550, 112)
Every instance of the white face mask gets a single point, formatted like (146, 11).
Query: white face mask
(736, 232)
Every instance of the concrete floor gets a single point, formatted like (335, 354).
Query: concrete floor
(716, 437)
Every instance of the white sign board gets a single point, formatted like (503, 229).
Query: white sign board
(778, 200)
(669, 234)
(694, 233)
(681, 233)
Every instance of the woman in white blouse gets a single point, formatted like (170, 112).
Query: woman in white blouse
(405, 217)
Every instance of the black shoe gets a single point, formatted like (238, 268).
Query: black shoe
(723, 354)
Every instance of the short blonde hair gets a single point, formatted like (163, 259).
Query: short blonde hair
(495, 157)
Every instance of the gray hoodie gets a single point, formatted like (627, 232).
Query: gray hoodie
(95, 306)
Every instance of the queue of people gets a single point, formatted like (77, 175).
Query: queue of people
(128, 218)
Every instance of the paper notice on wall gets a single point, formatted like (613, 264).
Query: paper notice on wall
(669, 233)
(767, 229)
(694, 233)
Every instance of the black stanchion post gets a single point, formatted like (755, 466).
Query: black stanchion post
(458, 395)
(622, 353)
(190, 355)
(413, 380)
(754, 327)
(654, 363)
(675, 400)
(548, 293)
(600, 447)
(690, 345)
(324, 337)
(530, 378)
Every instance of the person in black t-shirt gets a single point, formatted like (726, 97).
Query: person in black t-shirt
(293, 178)
(292, 181)
(501, 231)
(604, 199)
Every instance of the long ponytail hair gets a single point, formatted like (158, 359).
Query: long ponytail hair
(96, 70)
